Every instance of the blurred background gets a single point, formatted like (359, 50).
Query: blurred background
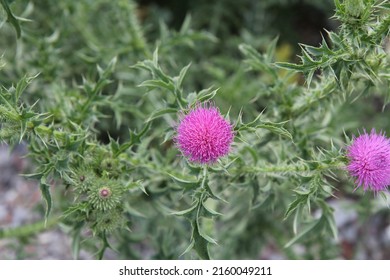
(77, 35)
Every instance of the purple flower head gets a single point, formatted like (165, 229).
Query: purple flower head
(369, 156)
(203, 135)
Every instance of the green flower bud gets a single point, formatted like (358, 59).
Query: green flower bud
(82, 180)
(354, 7)
(109, 166)
(105, 194)
(110, 221)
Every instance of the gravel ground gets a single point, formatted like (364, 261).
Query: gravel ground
(20, 200)
(20, 204)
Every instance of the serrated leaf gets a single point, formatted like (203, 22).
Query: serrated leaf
(36, 176)
(308, 61)
(332, 225)
(211, 193)
(189, 248)
(134, 212)
(11, 113)
(297, 219)
(188, 213)
(290, 66)
(328, 218)
(200, 243)
(181, 76)
(208, 238)
(206, 95)
(314, 51)
(301, 199)
(45, 191)
(168, 136)
(335, 38)
(303, 233)
(22, 85)
(257, 61)
(23, 130)
(80, 207)
(207, 212)
(191, 98)
(185, 182)
(157, 84)
(114, 145)
(276, 128)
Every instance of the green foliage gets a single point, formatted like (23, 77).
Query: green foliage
(97, 109)
(354, 55)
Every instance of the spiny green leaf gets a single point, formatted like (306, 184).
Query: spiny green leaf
(301, 199)
(257, 61)
(168, 136)
(185, 181)
(11, 18)
(206, 95)
(157, 84)
(210, 192)
(107, 71)
(154, 68)
(180, 78)
(200, 243)
(189, 213)
(134, 212)
(332, 225)
(187, 250)
(309, 227)
(207, 212)
(22, 85)
(45, 191)
(276, 128)
(290, 66)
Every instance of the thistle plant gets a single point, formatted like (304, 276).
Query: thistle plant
(146, 136)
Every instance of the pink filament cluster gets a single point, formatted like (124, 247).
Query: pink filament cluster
(369, 156)
(203, 135)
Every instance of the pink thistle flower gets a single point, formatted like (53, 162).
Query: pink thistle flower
(203, 135)
(369, 156)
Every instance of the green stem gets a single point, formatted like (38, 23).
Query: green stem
(299, 168)
(204, 177)
(28, 230)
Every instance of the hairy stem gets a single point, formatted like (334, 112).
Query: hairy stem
(28, 230)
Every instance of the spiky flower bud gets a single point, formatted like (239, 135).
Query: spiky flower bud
(105, 195)
(354, 7)
(110, 221)
(82, 179)
(109, 166)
